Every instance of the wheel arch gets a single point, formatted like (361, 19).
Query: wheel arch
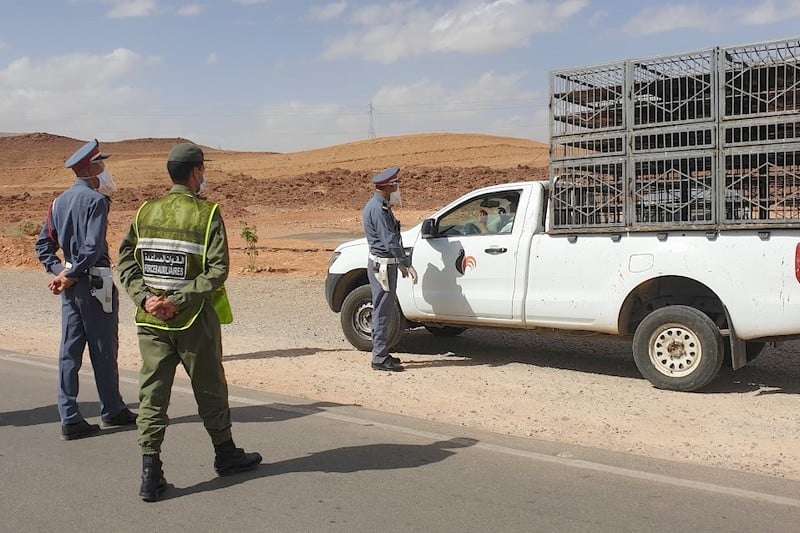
(347, 284)
(669, 290)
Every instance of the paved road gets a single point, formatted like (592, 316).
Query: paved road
(343, 468)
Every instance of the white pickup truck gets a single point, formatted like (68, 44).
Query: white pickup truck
(691, 299)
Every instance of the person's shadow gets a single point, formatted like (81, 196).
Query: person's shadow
(264, 412)
(437, 282)
(48, 414)
(45, 414)
(340, 460)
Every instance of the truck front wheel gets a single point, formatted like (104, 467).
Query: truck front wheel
(356, 319)
(678, 348)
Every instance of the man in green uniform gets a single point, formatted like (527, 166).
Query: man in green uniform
(173, 264)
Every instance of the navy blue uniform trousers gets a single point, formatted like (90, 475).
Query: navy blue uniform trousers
(382, 308)
(83, 322)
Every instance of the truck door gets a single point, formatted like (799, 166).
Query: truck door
(468, 267)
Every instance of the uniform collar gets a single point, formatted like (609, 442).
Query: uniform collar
(179, 188)
(384, 202)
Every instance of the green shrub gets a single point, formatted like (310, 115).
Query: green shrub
(250, 236)
(28, 228)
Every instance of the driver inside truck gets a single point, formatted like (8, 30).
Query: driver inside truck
(501, 222)
(507, 219)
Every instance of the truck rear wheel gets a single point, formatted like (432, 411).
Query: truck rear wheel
(356, 320)
(678, 348)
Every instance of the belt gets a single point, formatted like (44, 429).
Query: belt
(93, 271)
(384, 260)
(100, 271)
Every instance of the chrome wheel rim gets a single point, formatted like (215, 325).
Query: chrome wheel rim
(675, 350)
(362, 320)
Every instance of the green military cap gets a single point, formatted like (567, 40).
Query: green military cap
(186, 153)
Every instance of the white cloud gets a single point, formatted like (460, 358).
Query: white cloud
(399, 30)
(249, 2)
(295, 126)
(597, 18)
(191, 10)
(769, 12)
(132, 9)
(328, 11)
(492, 103)
(212, 58)
(764, 13)
(668, 18)
(81, 95)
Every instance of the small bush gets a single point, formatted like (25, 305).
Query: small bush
(28, 228)
(250, 236)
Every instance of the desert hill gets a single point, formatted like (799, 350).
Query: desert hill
(302, 186)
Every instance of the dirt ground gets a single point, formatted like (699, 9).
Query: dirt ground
(302, 205)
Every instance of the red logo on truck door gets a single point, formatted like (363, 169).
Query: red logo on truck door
(464, 263)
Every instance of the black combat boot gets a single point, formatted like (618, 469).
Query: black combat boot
(229, 459)
(153, 482)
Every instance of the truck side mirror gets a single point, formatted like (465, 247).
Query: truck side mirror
(428, 228)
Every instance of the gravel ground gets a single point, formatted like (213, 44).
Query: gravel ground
(580, 390)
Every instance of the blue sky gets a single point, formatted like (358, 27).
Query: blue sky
(292, 75)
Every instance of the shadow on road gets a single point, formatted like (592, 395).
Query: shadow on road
(46, 414)
(265, 413)
(590, 354)
(289, 352)
(340, 460)
(241, 414)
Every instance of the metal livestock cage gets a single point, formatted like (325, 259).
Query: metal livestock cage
(703, 140)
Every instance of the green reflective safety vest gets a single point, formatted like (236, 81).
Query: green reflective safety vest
(171, 241)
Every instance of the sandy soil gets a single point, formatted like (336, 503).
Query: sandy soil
(285, 340)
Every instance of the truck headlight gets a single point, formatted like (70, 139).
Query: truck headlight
(334, 257)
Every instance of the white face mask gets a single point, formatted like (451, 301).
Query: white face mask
(395, 198)
(202, 188)
(107, 185)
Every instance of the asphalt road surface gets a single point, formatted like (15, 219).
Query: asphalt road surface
(335, 467)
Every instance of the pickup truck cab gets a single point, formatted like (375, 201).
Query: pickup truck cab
(689, 298)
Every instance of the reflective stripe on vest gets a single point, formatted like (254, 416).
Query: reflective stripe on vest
(171, 251)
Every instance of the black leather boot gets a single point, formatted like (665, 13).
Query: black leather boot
(153, 482)
(229, 459)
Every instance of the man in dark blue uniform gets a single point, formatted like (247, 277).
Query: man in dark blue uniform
(386, 256)
(76, 223)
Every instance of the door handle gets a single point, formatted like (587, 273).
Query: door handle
(494, 250)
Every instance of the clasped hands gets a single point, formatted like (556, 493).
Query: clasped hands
(60, 283)
(160, 307)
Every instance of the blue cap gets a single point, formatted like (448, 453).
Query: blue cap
(85, 155)
(387, 177)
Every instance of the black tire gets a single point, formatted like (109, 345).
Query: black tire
(678, 348)
(356, 320)
(445, 331)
